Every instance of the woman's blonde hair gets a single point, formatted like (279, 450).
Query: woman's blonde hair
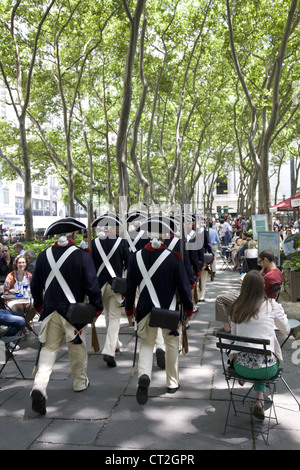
(250, 299)
(252, 244)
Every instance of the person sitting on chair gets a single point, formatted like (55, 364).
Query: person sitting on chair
(272, 281)
(271, 274)
(253, 315)
(6, 262)
(17, 282)
(13, 322)
(250, 257)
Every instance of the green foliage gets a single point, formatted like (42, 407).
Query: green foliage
(40, 245)
(292, 264)
(178, 67)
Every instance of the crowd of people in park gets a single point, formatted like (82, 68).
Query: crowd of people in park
(153, 268)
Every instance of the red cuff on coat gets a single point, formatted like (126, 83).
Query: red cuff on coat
(129, 312)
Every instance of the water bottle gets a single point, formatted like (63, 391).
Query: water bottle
(26, 288)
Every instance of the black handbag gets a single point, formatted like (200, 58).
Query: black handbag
(164, 318)
(81, 312)
(118, 285)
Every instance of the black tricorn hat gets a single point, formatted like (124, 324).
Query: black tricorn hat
(108, 219)
(159, 225)
(136, 216)
(66, 225)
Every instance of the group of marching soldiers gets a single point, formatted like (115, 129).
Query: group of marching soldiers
(155, 268)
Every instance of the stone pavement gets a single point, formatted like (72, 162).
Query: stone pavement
(107, 416)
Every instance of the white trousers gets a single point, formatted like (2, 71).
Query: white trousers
(54, 330)
(112, 304)
(147, 335)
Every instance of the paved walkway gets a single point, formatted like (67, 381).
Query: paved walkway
(107, 416)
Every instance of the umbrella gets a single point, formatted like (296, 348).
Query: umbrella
(286, 204)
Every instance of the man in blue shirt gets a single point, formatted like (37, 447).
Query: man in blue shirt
(215, 241)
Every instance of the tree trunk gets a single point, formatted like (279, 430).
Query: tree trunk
(27, 182)
(127, 95)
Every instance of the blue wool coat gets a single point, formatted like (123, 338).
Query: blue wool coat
(78, 271)
(119, 260)
(170, 278)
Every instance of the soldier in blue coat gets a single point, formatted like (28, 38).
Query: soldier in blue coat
(136, 238)
(168, 279)
(111, 254)
(64, 274)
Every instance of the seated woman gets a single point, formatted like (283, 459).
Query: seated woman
(235, 253)
(17, 282)
(250, 257)
(254, 315)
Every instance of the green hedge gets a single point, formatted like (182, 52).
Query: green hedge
(40, 245)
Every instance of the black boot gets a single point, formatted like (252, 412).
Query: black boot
(38, 402)
(160, 358)
(110, 360)
(142, 391)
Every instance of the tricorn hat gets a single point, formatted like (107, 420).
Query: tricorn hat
(159, 225)
(136, 216)
(106, 220)
(66, 225)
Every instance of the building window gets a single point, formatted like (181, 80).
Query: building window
(45, 191)
(19, 205)
(53, 181)
(222, 186)
(19, 187)
(6, 196)
(54, 208)
(36, 190)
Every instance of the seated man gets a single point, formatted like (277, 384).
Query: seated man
(271, 274)
(13, 321)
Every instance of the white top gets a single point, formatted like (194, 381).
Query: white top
(262, 326)
(251, 253)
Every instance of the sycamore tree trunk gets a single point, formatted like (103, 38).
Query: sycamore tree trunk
(270, 120)
(127, 96)
(27, 181)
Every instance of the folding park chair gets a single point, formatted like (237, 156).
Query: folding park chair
(225, 254)
(27, 326)
(10, 351)
(276, 288)
(226, 344)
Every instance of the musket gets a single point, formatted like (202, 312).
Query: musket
(95, 342)
(135, 347)
(37, 359)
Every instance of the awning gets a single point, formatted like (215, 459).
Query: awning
(286, 205)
